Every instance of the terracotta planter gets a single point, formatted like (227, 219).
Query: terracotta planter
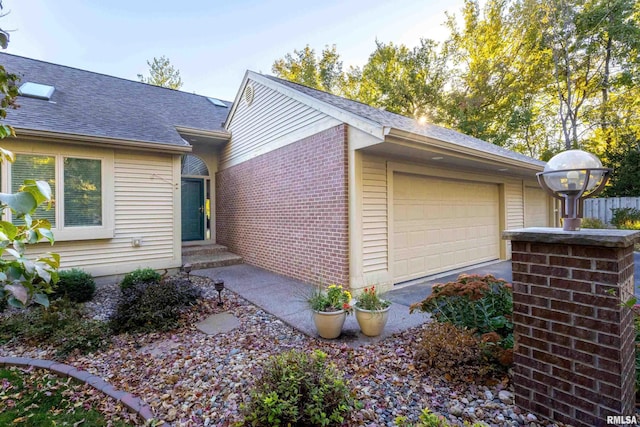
(372, 322)
(329, 323)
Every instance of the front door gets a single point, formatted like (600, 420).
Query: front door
(192, 209)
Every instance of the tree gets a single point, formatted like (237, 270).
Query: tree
(405, 81)
(162, 73)
(323, 72)
(498, 75)
(22, 280)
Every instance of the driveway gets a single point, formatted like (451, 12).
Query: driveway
(418, 290)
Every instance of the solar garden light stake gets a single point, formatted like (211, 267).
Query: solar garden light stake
(187, 269)
(219, 286)
(571, 177)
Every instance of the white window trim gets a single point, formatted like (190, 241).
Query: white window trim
(60, 232)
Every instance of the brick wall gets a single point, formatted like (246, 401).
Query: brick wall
(287, 210)
(574, 355)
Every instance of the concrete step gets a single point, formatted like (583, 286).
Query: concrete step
(220, 259)
(197, 249)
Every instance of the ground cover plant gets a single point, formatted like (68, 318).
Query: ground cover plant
(39, 398)
(62, 325)
(299, 389)
(153, 306)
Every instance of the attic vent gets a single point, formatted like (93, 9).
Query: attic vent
(249, 93)
(217, 102)
(36, 90)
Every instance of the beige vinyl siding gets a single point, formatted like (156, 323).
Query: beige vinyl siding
(515, 204)
(146, 191)
(374, 215)
(271, 121)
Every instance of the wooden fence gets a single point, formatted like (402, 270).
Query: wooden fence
(601, 208)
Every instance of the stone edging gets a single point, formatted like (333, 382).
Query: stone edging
(132, 402)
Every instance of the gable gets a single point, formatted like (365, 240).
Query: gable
(268, 120)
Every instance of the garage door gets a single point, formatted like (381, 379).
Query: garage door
(441, 225)
(536, 207)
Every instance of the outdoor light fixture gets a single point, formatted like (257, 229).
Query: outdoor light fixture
(219, 286)
(571, 177)
(187, 269)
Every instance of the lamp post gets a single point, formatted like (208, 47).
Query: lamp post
(571, 177)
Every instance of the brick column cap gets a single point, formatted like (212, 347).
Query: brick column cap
(589, 237)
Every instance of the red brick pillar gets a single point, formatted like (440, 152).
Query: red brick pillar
(574, 342)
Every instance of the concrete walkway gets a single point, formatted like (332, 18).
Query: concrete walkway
(286, 298)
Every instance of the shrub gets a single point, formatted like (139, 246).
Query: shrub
(141, 275)
(593, 223)
(299, 389)
(445, 346)
(61, 325)
(480, 303)
(429, 419)
(626, 218)
(75, 285)
(153, 306)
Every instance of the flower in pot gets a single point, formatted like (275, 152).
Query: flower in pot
(330, 308)
(372, 312)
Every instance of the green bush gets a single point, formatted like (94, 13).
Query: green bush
(481, 303)
(141, 275)
(75, 285)
(299, 389)
(593, 223)
(153, 306)
(626, 218)
(61, 324)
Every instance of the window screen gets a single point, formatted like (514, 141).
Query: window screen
(42, 168)
(82, 192)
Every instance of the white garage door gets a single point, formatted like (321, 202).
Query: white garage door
(536, 207)
(441, 225)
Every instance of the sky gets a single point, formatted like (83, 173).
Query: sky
(212, 42)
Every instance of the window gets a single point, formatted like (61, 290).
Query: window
(78, 187)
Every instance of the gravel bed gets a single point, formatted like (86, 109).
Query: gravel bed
(197, 380)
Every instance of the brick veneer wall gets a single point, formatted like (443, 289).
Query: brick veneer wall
(574, 355)
(287, 210)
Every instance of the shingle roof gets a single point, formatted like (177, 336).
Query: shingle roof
(92, 104)
(396, 121)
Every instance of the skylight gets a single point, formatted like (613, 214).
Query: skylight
(216, 101)
(36, 90)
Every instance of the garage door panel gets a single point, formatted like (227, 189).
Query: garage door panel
(441, 225)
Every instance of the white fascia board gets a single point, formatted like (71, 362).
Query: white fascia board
(237, 99)
(366, 125)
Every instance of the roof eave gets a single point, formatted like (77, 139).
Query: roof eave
(71, 138)
(461, 149)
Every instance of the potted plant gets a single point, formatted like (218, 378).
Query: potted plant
(372, 312)
(330, 308)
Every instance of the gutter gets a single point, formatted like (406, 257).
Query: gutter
(459, 149)
(71, 138)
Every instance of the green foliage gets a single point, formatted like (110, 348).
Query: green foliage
(323, 72)
(334, 298)
(150, 306)
(299, 389)
(61, 325)
(75, 285)
(370, 300)
(626, 218)
(40, 398)
(162, 73)
(593, 223)
(481, 303)
(141, 275)
(429, 419)
(625, 181)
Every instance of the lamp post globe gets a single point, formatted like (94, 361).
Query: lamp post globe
(571, 177)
